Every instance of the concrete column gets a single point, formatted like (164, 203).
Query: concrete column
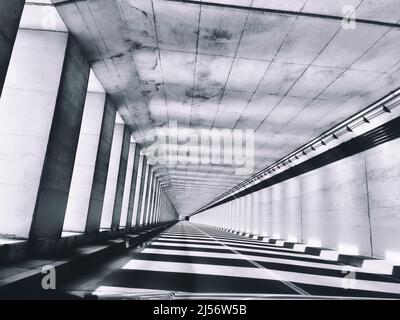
(153, 201)
(266, 207)
(134, 187)
(158, 203)
(256, 213)
(137, 191)
(241, 214)
(142, 178)
(51, 203)
(156, 194)
(121, 179)
(252, 214)
(162, 208)
(85, 161)
(231, 215)
(130, 185)
(152, 198)
(56, 173)
(40, 116)
(10, 16)
(112, 177)
(229, 224)
(101, 169)
(149, 198)
(226, 215)
(232, 220)
(146, 196)
(237, 215)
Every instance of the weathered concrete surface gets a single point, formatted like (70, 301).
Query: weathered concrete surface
(25, 134)
(85, 162)
(101, 168)
(123, 165)
(10, 16)
(58, 166)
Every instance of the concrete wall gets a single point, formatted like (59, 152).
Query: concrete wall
(352, 206)
(27, 106)
(10, 16)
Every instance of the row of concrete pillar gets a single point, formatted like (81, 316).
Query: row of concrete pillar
(66, 164)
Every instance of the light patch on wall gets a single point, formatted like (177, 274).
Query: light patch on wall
(393, 256)
(118, 119)
(348, 249)
(276, 235)
(94, 84)
(292, 239)
(41, 15)
(314, 243)
(10, 241)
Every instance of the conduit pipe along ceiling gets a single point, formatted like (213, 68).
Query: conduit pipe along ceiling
(286, 69)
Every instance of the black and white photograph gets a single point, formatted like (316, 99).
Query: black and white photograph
(219, 152)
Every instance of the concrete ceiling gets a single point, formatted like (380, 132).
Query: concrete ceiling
(287, 75)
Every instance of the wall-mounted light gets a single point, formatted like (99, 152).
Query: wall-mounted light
(352, 127)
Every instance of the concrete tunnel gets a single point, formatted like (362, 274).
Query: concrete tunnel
(200, 149)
